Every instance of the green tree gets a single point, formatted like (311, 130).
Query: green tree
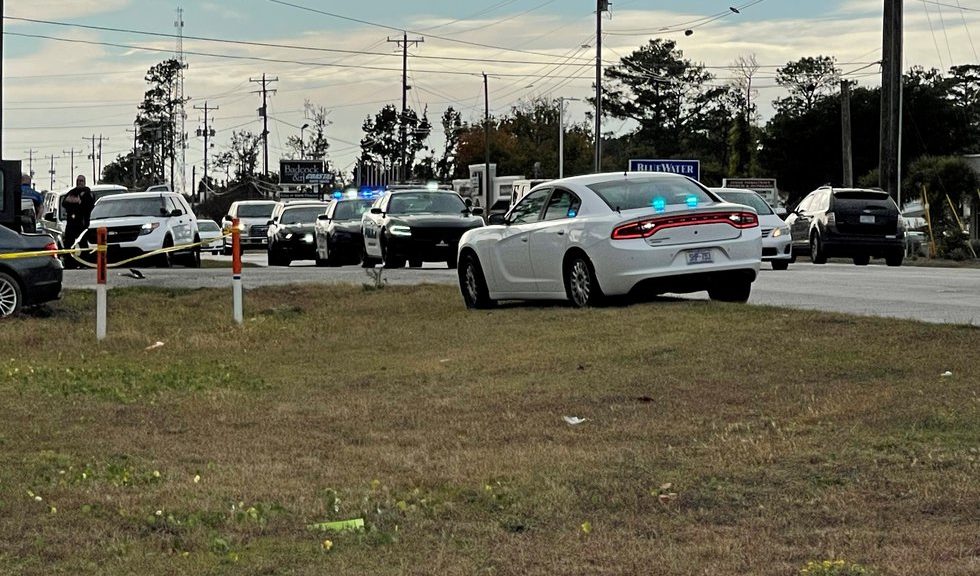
(806, 79)
(452, 126)
(314, 145)
(945, 181)
(381, 143)
(157, 118)
(673, 101)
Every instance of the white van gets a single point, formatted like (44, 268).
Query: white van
(54, 212)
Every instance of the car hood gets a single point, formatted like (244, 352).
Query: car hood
(437, 220)
(127, 221)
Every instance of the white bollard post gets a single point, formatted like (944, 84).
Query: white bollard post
(100, 289)
(236, 266)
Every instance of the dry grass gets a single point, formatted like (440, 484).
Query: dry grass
(443, 429)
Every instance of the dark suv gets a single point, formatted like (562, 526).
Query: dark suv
(848, 222)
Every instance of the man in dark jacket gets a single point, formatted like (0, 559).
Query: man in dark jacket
(78, 203)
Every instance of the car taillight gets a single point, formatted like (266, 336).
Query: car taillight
(650, 226)
(51, 247)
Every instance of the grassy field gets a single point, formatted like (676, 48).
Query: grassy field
(719, 439)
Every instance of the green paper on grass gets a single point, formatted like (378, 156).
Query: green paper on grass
(339, 526)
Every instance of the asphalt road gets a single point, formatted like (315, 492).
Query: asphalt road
(940, 295)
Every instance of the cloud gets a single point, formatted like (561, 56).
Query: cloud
(60, 9)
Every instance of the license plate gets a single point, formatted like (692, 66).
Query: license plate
(865, 219)
(699, 257)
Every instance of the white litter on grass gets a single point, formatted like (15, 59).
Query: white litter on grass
(573, 420)
(946, 374)
(154, 346)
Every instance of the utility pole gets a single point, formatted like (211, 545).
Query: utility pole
(135, 154)
(601, 6)
(96, 156)
(264, 114)
(71, 168)
(561, 133)
(404, 42)
(486, 140)
(51, 171)
(890, 170)
(207, 132)
(30, 162)
(845, 108)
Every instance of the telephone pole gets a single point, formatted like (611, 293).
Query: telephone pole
(845, 108)
(890, 168)
(601, 6)
(30, 162)
(71, 168)
(207, 132)
(51, 171)
(486, 140)
(264, 114)
(96, 156)
(404, 42)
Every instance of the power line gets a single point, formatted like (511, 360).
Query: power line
(255, 58)
(255, 44)
(385, 26)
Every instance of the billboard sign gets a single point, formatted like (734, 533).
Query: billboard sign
(294, 172)
(766, 187)
(689, 168)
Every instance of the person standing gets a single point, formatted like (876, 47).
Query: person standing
(28, 191)
(77, 203)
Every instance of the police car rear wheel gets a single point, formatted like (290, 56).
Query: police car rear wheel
(10, 296)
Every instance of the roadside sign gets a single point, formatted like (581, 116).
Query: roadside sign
(293, 172)
(689, 168)
(319, 178)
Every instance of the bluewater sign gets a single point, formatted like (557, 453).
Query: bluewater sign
(689, 168)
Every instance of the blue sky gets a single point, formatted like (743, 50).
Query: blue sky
(57, 92)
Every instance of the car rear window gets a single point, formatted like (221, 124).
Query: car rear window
(657, 193)
(857, 199)
(255, 210)
(861, 195)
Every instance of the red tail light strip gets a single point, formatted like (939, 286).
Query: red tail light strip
(650, 226)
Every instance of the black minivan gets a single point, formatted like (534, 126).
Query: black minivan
(848, 222)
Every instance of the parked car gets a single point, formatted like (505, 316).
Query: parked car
(587, 237)
(142, 222)
(338, 232)
(253, 222)
(848, 222)
(53, 211)
(291, 231)
(776, 239)
(27, 281)
(416, 226)
(211, 235)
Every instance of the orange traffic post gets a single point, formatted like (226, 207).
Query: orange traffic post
(236, 269)
(101, 276)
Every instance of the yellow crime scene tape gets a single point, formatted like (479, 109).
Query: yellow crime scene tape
(76, 252)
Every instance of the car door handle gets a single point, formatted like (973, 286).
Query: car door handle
(561, 232)
(523, 238)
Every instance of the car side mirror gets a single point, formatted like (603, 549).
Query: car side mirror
(376, 211)
(176, 212)
(498, 219)
(323, 218)
(270, 222)
(476, 211)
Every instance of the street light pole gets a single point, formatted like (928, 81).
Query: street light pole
(561, 133)
(302, 142)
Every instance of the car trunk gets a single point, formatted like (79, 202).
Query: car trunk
(684, 227)
(865, 213)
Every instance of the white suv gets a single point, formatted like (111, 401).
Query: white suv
(253, 221)
(141, 222)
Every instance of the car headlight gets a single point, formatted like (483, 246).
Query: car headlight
(241, 226)
(289, 236)
(308, 238)
(400, 230)
(780, 231)
(148, 228)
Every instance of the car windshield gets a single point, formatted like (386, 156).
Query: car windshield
(750, 199)
(426, 203)
(302, 215)
(657, 193)
(208, 226)
(255, 210)
(113, 208)
(351, 210)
